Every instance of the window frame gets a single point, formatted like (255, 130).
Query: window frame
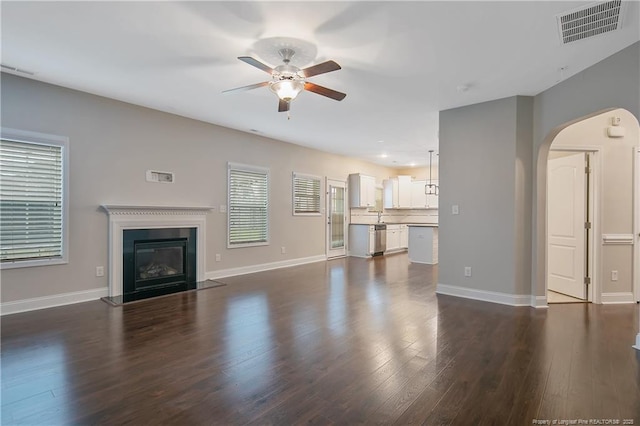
(35, 138)
(255, 169)
(295, 175)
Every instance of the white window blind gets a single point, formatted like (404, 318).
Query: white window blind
(31, 200)
(306, 194)
(248, 205)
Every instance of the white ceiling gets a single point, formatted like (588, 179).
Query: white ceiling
(402, 62)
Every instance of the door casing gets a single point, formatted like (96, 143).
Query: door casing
(636, 225)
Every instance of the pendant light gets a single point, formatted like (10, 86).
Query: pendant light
(431, 188)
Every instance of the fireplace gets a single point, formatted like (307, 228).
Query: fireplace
(181, 219)
(158, 262)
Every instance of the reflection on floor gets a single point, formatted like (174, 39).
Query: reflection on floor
(553, 297)
(343, 342)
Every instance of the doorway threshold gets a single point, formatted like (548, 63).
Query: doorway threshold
(554, 297)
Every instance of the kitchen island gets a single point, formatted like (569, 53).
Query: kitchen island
(423, 243)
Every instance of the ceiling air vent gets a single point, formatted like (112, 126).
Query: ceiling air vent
(590, 21)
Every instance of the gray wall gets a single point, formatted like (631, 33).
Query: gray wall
(485, 152)
(523, 188)
(485, 168)
(111, 146)
(611, 83)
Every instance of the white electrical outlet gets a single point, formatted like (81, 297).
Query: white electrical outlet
(455, 209)
(614, 275)
(218, 258)
(467, 271)
(223, 208)
(283, 250)
(99, 271)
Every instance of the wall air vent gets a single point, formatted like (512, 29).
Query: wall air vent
(590, 21)
(162, 177)
(15, 69)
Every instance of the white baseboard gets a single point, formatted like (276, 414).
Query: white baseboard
(539, 301)
(358, 256)
(612, 298)
(26, 305)
(485, 296)
(212, 275)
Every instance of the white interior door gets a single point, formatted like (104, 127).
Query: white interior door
(336, 218)
(566, 198)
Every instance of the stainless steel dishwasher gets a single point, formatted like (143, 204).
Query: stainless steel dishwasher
(380, 242)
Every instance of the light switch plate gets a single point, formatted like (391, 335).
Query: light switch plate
(455, 209)
(223, 208)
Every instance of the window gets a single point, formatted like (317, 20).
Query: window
(306, 195)
(248, 206)
(32, 199)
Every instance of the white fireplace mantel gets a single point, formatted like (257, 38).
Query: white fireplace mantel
(123, 217)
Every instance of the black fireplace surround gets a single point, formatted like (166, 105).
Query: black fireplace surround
(157, 262)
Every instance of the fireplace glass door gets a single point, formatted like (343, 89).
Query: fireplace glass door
(159, 262)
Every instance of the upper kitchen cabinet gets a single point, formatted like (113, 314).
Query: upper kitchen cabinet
(420, 200)
(432, 200)
(397, 192)
(362, 191)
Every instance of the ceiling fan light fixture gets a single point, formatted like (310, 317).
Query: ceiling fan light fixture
(287, 90)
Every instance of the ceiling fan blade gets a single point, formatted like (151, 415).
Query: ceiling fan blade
(321, 68)
(256, 63)
(249, 87)
(283, 106)
(329, 93)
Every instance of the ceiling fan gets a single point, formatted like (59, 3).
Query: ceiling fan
(287, 80)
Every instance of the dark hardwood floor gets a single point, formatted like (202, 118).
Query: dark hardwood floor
(343, 342)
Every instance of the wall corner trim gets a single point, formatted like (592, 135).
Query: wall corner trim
(539, 302)
(44, 302)
(637, 345)
(222, 273)
(613, 298)
(485, 296)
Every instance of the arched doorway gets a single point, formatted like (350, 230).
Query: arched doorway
(616, 279)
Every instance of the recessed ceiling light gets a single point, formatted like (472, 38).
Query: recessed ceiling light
(383, 155)
(380, 141)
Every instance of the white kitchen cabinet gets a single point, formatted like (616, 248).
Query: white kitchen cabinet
(393, 237)
(362, 190)
(420, 200)
(372, 241)
(418, 197)
(361, 240)
(397, 192)
(397, 237)
(432, 200)
(404, 236)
